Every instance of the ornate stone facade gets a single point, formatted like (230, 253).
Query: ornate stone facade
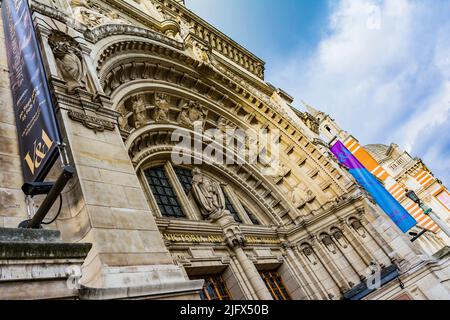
(160, 228)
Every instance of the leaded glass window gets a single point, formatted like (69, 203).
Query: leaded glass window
(163, 192)
(229, 206)
(251, 216)
(275, 284)
(185, 177)
(214, 288)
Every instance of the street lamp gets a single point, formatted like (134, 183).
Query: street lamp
(429, 212)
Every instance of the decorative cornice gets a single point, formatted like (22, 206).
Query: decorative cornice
(216, 39)
(107, 30)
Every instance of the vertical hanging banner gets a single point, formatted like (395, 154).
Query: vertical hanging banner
(365, 179)
(37, 128)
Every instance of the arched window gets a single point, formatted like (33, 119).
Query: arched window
(170, 189)
(163, 193)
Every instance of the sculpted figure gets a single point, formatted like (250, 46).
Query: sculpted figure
(201, 54)
(90, 17)
(191, 114)
(162, 107)
(85, 12)
(139, 111)
(208, 194)
(301, 195)
(278, 169)
(69, 60)
(296, 197)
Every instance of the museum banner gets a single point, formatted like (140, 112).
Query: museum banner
(37, 128)
(365, 179)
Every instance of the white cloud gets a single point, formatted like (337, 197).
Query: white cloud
(382, 71)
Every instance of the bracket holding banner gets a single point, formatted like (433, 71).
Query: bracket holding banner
(53, 190)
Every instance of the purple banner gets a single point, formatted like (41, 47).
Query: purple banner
(365, 179)
(37, 128)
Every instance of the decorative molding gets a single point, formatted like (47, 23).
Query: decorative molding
(91, 122)
(108, 30)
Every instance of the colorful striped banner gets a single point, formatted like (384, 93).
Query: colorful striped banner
(367, 180)
(394, 188)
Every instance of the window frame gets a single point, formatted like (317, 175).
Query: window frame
(148, 188)
(279, 291)
(216, 289)
(189, 209)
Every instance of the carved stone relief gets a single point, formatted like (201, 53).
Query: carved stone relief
(309, 254)
(91, 122)
(162, 107)
(139, 111)
(192, 114)
(209, 195)
(69, 59)
(88, 13)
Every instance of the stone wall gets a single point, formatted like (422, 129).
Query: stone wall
(12, 200)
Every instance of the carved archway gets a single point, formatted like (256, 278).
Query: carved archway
(131, 68)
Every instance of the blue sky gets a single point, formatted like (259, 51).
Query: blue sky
(381, 68)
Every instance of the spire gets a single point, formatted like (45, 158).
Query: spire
(312, 111)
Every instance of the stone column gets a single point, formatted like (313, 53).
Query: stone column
(236, 241)
(247, 287)
(321, 292)
(330, 266)
(293, 263)
(252, 274)
(357, 245)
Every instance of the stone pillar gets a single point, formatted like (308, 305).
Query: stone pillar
(330, 266)
(252, 274)
(321, 291)
(357, 245)
(299, 272)
(236, 241)
(240, 274)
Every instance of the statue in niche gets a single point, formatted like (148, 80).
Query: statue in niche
(209, 195)
(123, 119)
(225, 125)
(123, 122)
(191, 115)
(329, 244)
(69, 59)
(222, 124)
(162, 106)
(139, 111)
(309, 254)
(340, 239)
(225, 129)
